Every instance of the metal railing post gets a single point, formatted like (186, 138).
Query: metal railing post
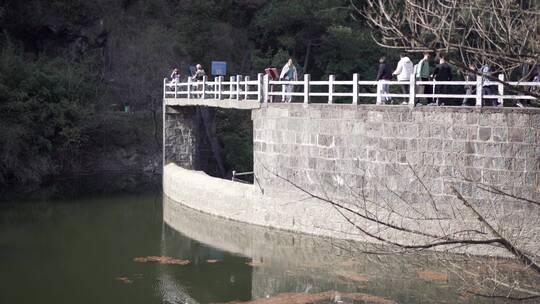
(479, 93)
(500, 86)
(204, 87)
(189, 88)
(175, 90)
(331, 79)
(246, 91)
(355, 89)
(220, 87)
(412, 90)
(238, 87)
(379, 91)
(306, 88)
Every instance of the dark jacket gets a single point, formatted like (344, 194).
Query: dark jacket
(384, 72)
(442, 72)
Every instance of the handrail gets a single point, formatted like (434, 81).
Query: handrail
(235, 174)
(264, 90)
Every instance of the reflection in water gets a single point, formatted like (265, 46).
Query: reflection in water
(83, 251)
(292, 263)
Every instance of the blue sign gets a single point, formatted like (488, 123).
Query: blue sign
(219, 68)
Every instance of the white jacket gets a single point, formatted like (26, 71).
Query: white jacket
(285, 70)
(404, 69)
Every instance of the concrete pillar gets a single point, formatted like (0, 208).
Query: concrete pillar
(479, 93)
(306, 88)
(500, 87)
(331, 79)
(355, 88)
(412, 90)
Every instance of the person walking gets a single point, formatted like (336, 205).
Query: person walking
(384, 74)
(404, 71)
(422, 74)
(288, 73)
(442, 72)
(199, 76)
(470, 89)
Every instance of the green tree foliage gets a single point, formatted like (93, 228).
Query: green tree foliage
(320, 35)
(78, 61)
(44, 106)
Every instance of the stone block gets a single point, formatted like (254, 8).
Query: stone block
(361, 116)
(484, 133)
(373, 129)
(391, 116)
(434, 144)
(346, 127)
(516, 135)
(373, 116)
(408, 130)
(500, 134)
(472, 118)
(325, 140)
(328, 153)
(406, 116)
(458, 132)
(436, 131)
(517, 120)
(325, 165)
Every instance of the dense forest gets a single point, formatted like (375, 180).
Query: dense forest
(68, 68)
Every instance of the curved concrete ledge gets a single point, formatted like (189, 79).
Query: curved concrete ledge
(246, 203)
(294, 212)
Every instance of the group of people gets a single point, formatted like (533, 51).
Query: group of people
(405, 70)
(197, 75)
(442, 72)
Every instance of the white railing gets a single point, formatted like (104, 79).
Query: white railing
(264, 90)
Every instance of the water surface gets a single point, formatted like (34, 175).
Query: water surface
(83, 251)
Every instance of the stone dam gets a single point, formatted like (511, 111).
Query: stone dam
(339, 170)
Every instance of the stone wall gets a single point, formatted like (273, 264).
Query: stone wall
(181, 127)
(186, 142)
(407, 165)
(384, 149)
(404, 165)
